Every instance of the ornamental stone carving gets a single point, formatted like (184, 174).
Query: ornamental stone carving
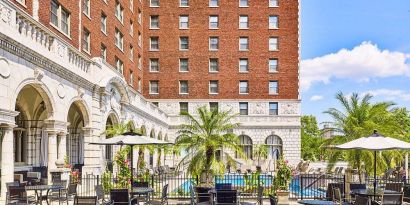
(61, 49)
(61, 91)
(259, 108)
(38, 74)
(7, 15)
(4, 68)
(80, 92)
(169, 107)
(289, 108)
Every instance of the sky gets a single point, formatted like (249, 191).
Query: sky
(354, 46)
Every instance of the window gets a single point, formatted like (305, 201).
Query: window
(183, 43)
(139, 62)
(139, 85)
(153, 87)
(243, 44)
(273, 87)
(183, 107)
(154, 3)
(103, 52)
(139, 39)
(154, 43)
(213, 3)
(119, 39)
(275, 147)
(273, 3)
(131, 78)
(183, 22)
(183, 87)
(213, 43)
(273, 65)
(213, 87)
(184, 3)
(139, 16)
(243, 3)
(243, 87)
(183, 65)
(273, 108)
(243, 108)
(119, 65)
(131, 55)
(273, 43)
(86, 7)
(213, 65)
(60, 17)
(154, 65)
(131, 28)
(273, 22)
(154, 22)
(213, 106)
(213, 22)
(245, 143)
(104, 23)
(86, 40)
(243, 22)
(119, 11)
(243, 65)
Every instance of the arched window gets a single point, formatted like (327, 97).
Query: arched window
(143, 130)
(246, 144)
(275, 145)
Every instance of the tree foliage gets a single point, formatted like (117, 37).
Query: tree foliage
(311, 139)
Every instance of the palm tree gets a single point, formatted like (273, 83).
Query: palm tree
(203, 136)
(260, 152)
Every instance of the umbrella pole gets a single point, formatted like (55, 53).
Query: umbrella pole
(374, 172)
(132, 164)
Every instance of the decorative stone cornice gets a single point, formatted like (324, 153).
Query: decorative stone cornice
(55, 126)
(147, 115)
(7, 117)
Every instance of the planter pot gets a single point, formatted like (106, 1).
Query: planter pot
(283, 197)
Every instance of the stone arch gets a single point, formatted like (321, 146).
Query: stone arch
(247, 146)
(119, 84)
(111, 119)
(113, 116)
(152, 133)
(83, 108)
(131, 125)
(275, 146)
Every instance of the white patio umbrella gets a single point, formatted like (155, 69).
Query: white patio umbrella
(131, 139)
(374, 142)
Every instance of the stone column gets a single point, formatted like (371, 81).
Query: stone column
(7, 159)
(62, 151)
(18, 148)
(52, 152)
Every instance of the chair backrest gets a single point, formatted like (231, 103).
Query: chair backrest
(226, 196)
(361, 200)
(392, 199)
(164, 193)
(394, 186)
(272, 200)
(223, 186)
(203, 194)
(85, 200)
(260, 195)
(99, 191)
(192, 193)
(119, 195)
(34, 175)
(337, 196)
(357, 186)
(72, 189)
(140, 184)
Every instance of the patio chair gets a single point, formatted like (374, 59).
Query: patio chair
(85, 200)
(202, 194)
(273, 200)
(17, 194)
(64, 194)
(394, 186)
(337, 197)
(141, 197)
(223, 186)
(226, 197)
(193, 198)
(392, 199)
(34, 178)
(164, 197)
(361, 200)
(121, 196)
(99, 191)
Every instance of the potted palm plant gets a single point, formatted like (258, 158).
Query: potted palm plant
(282, 181)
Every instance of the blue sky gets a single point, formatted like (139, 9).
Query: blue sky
(358, 46)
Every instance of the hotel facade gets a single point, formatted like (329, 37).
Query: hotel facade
(69, 69)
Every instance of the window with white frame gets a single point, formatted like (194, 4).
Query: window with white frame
(86, 40)
(119, 11)
(243, 44)
(139, 85)
(154, 65)
(213, 3)
(119, 39)
(243, 65)
(243, 87)
(183, 22)
(154, 43)
(131, 78)
(60, 17)
(273, 108)
(184, 3)
(243, 3)
(104, 23)
(213, 22)
(273, 87)
(153, 87)
(131, 28)
(183, 65)
(273, 22)
(243, 22)
(119, 65)
(131, 55)
(243, 108)
(273, 43)
(213, 43)
(183, 87)
(183, 43)
(154, 3)
(213, 65)
(154, 22)
(86, 7)
(273, 65)
(273, 3)
(139, 39)
(103, 52)
(213, 87)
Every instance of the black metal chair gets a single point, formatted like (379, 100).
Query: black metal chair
(65, 194)
(99, 191)
(392, 199)
(337, 197)
(164, 197)
(193, 198)
(85, 200)
(361, 200)
(226, 197)
(272, 200)
(121, 196)
(223, 186)
(394, 186)
(141, 197)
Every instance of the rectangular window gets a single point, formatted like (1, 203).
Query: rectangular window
(243, 22)
(273, 43)
(243, 44)
(213, 43)
(154, 65)
(60, 17)
(243, 108)
(139, 85)
(119, 11)
(184, 3)
(213, 106)
(273, 87)
(213, 22)
(213, 3)
(154, 22)
(273, 3)
(103, 52)
(154, 3)
(273, 65)
(213, 87)
(183, 43)
(131, 28)
(183, 87)
(183, 107)
(273, 108)
(183, 22)
(131, 55)
(183, 65)
(273, 22)
(86, 7)
(154, 43)
(54, 13)
(86, 40)
(104, 23)
(119, 39)
(213, 65)
(243, 3)
(131, 78)
(153, 87)
(243, 65)
(119, 65)
(243, 87)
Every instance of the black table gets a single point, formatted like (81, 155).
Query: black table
(316, 202)
(40, 188)
(370, 192)
(142, 191)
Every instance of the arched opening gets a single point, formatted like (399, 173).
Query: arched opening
(151, 151)
(111, 120)
(247, 146)
(75, 136)
(143, 130)
(274, 144)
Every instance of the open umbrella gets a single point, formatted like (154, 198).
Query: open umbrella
(131, 139)
(374, 142)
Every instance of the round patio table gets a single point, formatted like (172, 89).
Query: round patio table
(40, 188)
(316, 202)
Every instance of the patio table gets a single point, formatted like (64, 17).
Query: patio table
(316, 202)
(40, 188)
(141, 191)
(371, 193)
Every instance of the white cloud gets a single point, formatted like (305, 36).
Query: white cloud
(362, 63)
(390, 94)
(316, 98)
